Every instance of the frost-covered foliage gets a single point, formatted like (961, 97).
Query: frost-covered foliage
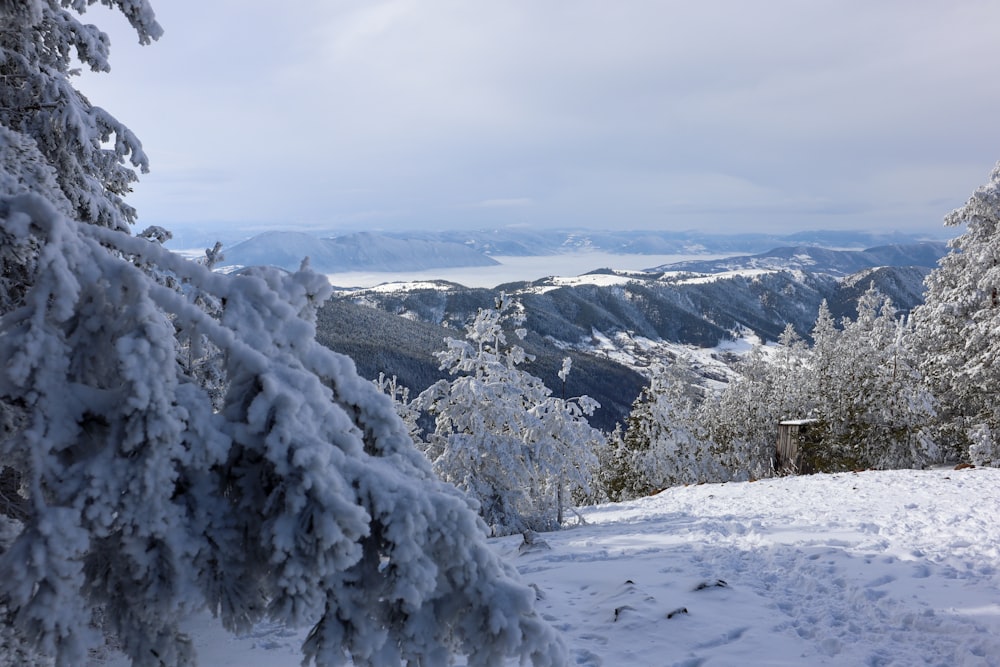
(41, 41)
(742, 421)
(873, 409)
(400, 396)
(501, 436)
(302, 500)
(859, 381)
(271, 483)
(958, 328)
(663, 444)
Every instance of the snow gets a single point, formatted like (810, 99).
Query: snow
(640, 353)
(409, 286)
(713, 277)
(873, 568)
(596, 279)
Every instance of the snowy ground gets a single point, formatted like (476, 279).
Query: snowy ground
(876, 568)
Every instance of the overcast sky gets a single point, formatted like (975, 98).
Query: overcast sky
(719, 115)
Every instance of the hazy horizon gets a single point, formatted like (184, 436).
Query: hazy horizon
(196, 236)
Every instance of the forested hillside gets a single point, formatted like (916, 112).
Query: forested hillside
(694, 309)
(403, 328)
(401, 347)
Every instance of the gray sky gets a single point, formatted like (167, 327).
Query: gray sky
(720, 115)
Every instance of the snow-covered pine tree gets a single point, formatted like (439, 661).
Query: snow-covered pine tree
(663, 444)
(957, 329)
(295, 495)
(873, 408)
(743, 419)
(830, 382)
(500, 435)
(400, 395)
(859, 382)
(614, 473)
(85, 146)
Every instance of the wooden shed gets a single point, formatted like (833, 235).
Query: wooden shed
(797, 440)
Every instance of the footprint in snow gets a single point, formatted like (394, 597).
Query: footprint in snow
(881, 581)
(585, 658)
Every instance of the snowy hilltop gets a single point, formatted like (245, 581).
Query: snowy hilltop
(876, 568)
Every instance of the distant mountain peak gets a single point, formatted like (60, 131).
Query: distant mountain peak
(359, 251)
(821, 260)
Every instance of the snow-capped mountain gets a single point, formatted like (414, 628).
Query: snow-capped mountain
(518, 241)
(276, 239)
(682, 306)
(821, 260)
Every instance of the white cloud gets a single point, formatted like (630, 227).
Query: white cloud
(504, 203)
(608, 114)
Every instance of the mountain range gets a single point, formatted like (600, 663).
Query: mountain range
(819, 259)
(362, 251)
(415, 251)
(615, 323)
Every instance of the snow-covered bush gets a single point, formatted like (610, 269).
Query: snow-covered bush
(401, 402)
(983, 448)
(272, 483)
(501, 436)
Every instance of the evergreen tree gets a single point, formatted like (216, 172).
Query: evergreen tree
(743, 419)
(663, 444)
(958, 329)
(285, 488)
(615, 471)
(868, 396)
(859, 383)
(500, 435)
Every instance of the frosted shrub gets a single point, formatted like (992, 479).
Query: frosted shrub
(500, 435)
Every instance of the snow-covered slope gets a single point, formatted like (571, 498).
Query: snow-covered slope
(895, 568)
(694, 309)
